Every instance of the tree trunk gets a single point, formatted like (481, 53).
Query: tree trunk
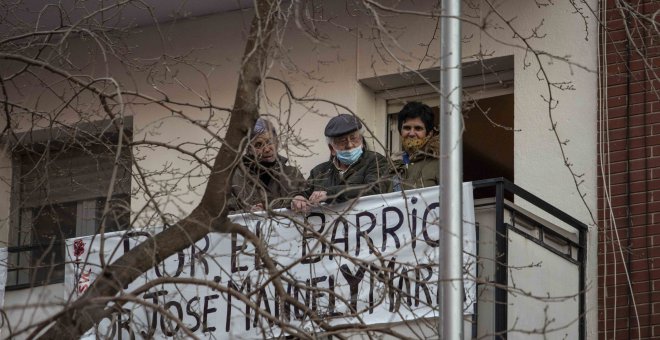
(209, 215)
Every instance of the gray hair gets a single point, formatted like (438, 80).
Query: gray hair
(262, 125)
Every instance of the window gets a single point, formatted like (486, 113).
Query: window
(488, 107)
(60, 180)
(487, 139)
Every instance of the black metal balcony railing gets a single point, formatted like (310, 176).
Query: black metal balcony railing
(505, 188)
(35, 265)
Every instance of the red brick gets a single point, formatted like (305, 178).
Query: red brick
(635, 264)
(618, 156)
(641, 163)
(635, 65)
(633, 153)
(640, 277)
(621, 189)
(616, 35)
(656, 129)
(641, 225)
(616, 57)
(619, 90)
(623, 200)
(622, 78)
(615, 24)
(621, 299)
(653, 196)
(622, 332)
(622, 100)
(623, 310)
(618, 120)
(622, 320)
(640, 289)
(632, 143)
(656, 283)
(640, 265)
(634, 176)
(633, 131)
(616, 51)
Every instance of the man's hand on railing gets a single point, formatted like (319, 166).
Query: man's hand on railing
(300, 204)
(257, 207)
(318, 197)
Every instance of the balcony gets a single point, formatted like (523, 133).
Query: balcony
(530, 272)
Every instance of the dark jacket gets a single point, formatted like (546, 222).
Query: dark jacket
(270, 184)
(367, 176)
(419, 170)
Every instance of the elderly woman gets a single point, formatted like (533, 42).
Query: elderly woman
(263, 180)
(351, 172)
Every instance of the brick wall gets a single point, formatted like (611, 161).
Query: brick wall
(631, 175)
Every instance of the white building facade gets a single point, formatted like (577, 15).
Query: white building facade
(540, 136)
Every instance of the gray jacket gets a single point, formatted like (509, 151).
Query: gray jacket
(272, 185)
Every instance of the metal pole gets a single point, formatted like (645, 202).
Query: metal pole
(451, 174)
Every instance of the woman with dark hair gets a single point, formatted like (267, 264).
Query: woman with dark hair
(418, 165)
(263, 180)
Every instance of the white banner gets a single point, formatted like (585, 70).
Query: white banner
(370, 261)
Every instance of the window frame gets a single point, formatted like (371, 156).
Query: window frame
(22, 246)
(393, 106)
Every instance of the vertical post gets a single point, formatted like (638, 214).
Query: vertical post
(501, 264)
(451, 174)
(582, 251)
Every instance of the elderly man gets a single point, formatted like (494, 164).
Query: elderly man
(351, 172)
(417, 166)
(263, 180)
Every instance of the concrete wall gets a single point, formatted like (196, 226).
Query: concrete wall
(538, 161)
(539, 165)
(332, 70)
(27, 307)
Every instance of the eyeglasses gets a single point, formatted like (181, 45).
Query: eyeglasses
(342, 142)
(262, 142)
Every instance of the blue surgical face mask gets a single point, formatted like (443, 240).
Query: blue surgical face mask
(348, 157)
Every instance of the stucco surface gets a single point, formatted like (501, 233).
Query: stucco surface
(332, 71)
